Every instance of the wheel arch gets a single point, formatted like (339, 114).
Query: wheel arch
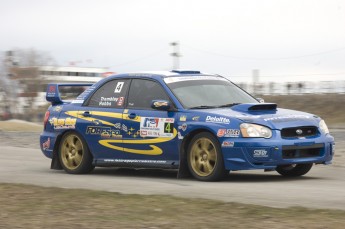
(55, 163)
(183, 170)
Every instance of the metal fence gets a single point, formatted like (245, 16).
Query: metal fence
(286, 88)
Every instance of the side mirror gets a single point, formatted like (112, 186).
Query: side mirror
(162, 105)
(261, 100)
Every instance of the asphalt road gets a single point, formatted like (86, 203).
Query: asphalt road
(322, 187)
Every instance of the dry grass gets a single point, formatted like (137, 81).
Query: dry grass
(330, 107)
(24, 206)
(20, 125)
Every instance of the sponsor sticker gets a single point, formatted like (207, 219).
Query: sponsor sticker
(63, 123)
(156, 127)
(287, 118)
(189, 78)
(104, 132)
(51, 91)
(183, 127)
(228, 144)
(260, 153)
(134, 161)
(46, 144)
(221, 132)
(229, 133)
(120, 102)
(216, 119)
(196, 118)
(183, 118)
(232, 133)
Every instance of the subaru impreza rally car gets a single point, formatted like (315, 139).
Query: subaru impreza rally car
(200, 124)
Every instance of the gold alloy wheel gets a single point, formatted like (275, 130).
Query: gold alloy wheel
(72, 152)
(203, 157)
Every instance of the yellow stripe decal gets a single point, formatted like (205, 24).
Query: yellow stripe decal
(79, 114)
(154, 151)
(108, 142)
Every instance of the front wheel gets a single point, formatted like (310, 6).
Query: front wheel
(294, 170)
(204, 157)
(74, 154)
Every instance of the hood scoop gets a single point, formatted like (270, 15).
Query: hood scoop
(247, 107)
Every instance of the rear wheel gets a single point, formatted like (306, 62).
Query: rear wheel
(294, 170)
(205, 160)
(74, 154)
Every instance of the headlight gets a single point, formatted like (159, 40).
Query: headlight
(255, 131)
(323, 127)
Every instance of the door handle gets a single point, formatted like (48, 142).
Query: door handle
(87, 114)
(132, 115)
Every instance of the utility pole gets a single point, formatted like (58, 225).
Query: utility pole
(176, 54)
(256, 85)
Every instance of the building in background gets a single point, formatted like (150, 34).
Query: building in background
(30, 84)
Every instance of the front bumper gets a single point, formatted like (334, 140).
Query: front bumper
(260, 153)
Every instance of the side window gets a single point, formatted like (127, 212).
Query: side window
(142, 92)
(111, 94)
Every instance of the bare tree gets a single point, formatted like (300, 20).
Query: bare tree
(24, 74)
(33, 58)
(7, 86)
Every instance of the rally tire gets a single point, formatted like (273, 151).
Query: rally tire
(204, 158)
(294, 170)
(74, 154)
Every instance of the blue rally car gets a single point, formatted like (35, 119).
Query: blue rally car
(200, 124)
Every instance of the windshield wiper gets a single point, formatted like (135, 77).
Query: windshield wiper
(229, 105)
(202, 107)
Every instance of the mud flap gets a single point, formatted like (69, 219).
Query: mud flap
(183, 171)
(55, 162)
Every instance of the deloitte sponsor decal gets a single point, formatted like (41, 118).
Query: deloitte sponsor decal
(216, 119)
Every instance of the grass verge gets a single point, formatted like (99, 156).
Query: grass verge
(328, 106)
(25, 206)
(20, 125)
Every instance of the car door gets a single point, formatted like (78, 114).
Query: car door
(150, 136)
(100, 120)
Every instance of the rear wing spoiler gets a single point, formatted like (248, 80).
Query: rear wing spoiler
(53, 93)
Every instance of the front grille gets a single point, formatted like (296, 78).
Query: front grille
(290, 152)
(301, 131)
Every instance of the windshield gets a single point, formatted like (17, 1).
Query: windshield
(207, 92)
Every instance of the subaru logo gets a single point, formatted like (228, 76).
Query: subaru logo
(299, 132)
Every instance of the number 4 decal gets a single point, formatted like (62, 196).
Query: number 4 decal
(118, 87)
(168, 127)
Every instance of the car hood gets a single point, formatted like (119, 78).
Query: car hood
(267, 114)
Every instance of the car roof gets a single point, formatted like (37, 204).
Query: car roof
(163, 74)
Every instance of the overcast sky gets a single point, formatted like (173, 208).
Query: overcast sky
(282, 38)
